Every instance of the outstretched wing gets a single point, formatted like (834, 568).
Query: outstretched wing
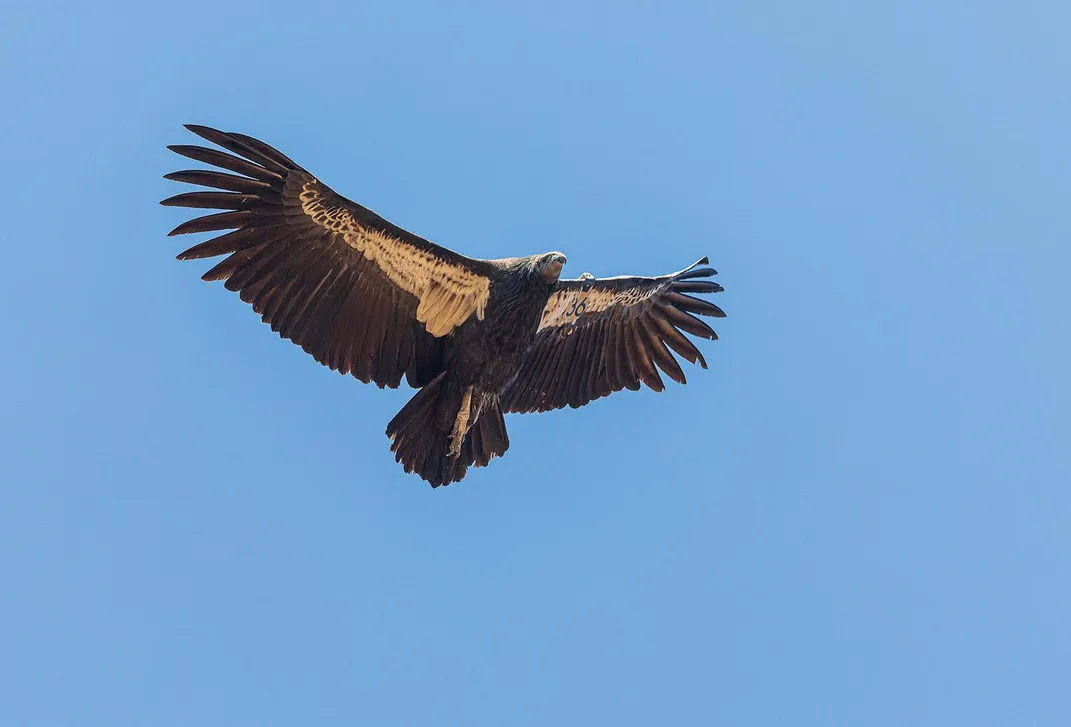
(601, 335)
(360, 294)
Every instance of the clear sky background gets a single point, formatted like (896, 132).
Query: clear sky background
(858, 516)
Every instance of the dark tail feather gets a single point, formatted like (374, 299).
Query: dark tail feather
(488, 438)
(421, 446)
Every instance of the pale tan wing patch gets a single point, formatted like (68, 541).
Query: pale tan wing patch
(569, 305)
(449, 294)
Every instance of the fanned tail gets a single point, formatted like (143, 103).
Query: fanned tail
(421, 443)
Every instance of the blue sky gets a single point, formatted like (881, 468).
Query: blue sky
(858, 516)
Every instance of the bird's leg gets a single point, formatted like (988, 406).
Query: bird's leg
(461, 424)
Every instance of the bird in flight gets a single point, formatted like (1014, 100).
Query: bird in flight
(476, 338)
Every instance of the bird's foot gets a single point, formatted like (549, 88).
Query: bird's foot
(455, 446)
(461, 424)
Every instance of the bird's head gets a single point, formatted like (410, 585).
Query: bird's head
(549, 266)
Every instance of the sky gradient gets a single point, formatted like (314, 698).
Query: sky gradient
(859, 515)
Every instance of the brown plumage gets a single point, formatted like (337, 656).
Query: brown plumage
(477, 337)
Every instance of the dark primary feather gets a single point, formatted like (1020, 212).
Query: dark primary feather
(624, 343)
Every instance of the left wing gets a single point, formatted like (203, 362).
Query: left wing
(601, 335)
(359, 293)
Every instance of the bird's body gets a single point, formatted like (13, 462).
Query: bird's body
(489, 353)
(480, 359)
(477, 338)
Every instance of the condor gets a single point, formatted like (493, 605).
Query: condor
(477, 338)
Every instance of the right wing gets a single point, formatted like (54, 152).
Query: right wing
(601, 335)
(360, 294)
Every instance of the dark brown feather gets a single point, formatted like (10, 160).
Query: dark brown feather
(336, 353)
(698, 286)
(686, 322)
(612, 358)
(592, 363)
(222, 245)
(232, 142)
(226, 268)
(226, 161)
(586, 351)
(306, 321)
(560, 395)
(260, 263)
(390, 360)
(268, 152)
(531, 380)
(213, 200)
(648, 373)
(661, 355)
(697, 272)
(676, 340)
(229, 182)
(694, 305)
(218, 221)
